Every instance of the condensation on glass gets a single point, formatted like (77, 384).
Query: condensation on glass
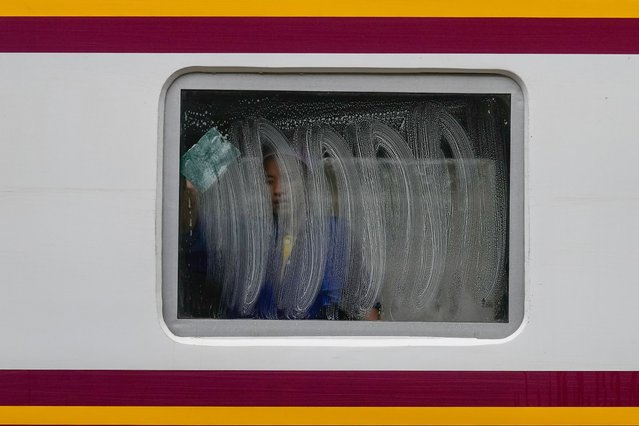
(369, 207)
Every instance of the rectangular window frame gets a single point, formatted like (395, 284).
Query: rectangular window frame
(335, 80)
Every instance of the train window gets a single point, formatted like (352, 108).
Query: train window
(342, 204)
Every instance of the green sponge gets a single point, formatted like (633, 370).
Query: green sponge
(205, 161)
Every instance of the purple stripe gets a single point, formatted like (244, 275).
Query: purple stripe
(296, 388)
(319, 35)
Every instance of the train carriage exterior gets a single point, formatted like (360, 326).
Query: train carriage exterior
(87, 337)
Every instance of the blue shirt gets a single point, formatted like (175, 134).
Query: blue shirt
(326, 303)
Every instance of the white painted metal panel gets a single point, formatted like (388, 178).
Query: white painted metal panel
(79, 216)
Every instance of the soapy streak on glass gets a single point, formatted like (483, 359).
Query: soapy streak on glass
(417, 183)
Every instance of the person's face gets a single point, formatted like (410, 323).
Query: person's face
(274, 181)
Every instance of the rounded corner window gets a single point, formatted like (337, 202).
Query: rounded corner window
(342, 204)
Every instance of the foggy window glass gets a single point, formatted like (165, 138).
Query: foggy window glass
(355, 206)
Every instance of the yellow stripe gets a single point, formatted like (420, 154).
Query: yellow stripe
(364, 8)
(320, 415)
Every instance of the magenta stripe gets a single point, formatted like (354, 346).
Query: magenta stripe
(296, 388)
(319, 35)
